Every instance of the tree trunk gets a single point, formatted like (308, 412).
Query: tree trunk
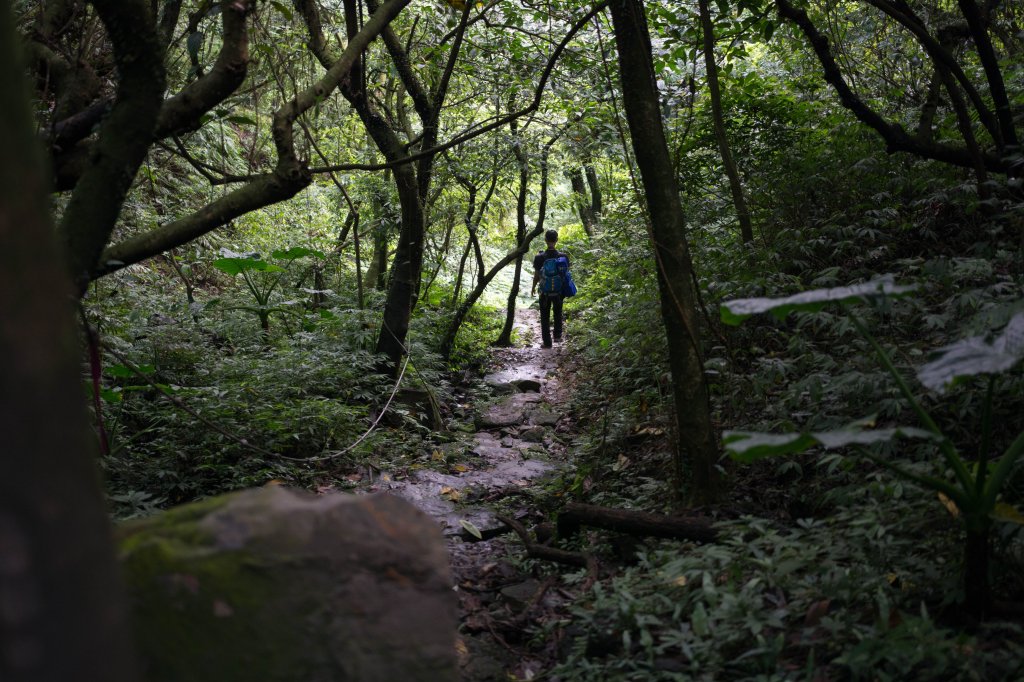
(64, 614)
(738, 200)
(596, 198)
(504, 339)
(582, 200)
(406, 269)
(442, 255)
(460, 276)
(376, 269)
(697, 447)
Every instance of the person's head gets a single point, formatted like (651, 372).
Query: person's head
(551, 238)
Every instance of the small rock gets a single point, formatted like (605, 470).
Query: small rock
(520, 594)
(527, 385)
(503, 388)
(543, 417)
(533, 434)
(507, 412)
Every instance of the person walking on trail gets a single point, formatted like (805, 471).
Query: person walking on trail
(549, 299)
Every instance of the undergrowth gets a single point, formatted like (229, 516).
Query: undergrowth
(828, 568)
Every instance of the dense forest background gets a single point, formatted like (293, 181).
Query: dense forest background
(271, 212)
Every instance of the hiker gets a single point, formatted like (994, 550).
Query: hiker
(550, 278)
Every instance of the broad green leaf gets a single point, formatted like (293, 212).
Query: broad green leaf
(1009, 513)
(975, 355)
(471, 529)
(238, 119)
(297, 252)
(122, 372)
(747, 446)
(110, 395)
(194, 43)
(233, 266)
(750, 446)
(734, 312)
(283, 9)
(699, 620)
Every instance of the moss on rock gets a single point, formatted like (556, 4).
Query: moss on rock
(271, 584)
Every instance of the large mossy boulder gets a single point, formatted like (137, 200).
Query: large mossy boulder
(273, 584)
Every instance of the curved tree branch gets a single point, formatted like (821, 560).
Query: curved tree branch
(183, 111)
(124, 138)
(977, 22)
(493, 125)
(942, 57)
(896, 138)
(288, 178)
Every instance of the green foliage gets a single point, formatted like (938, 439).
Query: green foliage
(837, 598)
(262, 286)
(974, 494)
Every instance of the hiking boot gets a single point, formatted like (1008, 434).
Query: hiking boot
(546, 344)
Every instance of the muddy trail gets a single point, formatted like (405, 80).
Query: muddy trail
(520, 440)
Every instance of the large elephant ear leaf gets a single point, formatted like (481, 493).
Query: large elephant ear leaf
(734, 312)
(234, 266)
(297, 252)
(975, 355)
(745, 446)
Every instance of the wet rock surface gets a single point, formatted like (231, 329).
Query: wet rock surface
(514, 448)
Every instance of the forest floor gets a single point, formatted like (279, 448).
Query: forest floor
(519, 443)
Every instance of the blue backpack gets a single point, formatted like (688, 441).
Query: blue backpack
(555, 278)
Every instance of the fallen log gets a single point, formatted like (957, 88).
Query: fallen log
(634, 522)
(538, 551)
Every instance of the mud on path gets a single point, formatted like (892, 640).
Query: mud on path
(521, 438)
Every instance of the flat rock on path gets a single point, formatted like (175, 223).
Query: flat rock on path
(514, 444)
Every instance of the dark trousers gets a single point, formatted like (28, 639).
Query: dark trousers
(546, 304)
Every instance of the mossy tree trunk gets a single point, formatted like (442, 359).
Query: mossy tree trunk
(64, 614)
(695, 459)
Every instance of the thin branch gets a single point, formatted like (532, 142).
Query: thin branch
(497, 123)
(896, 138)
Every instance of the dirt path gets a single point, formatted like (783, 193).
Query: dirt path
(520, 439)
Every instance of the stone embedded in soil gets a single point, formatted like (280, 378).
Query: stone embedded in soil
(543, 417)
(490, 448)
(513, 375)
(520, 594)
(533, 434)
(272, 584)
(508, 412)
(482, 660)
(527, 385)
(503, 388)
